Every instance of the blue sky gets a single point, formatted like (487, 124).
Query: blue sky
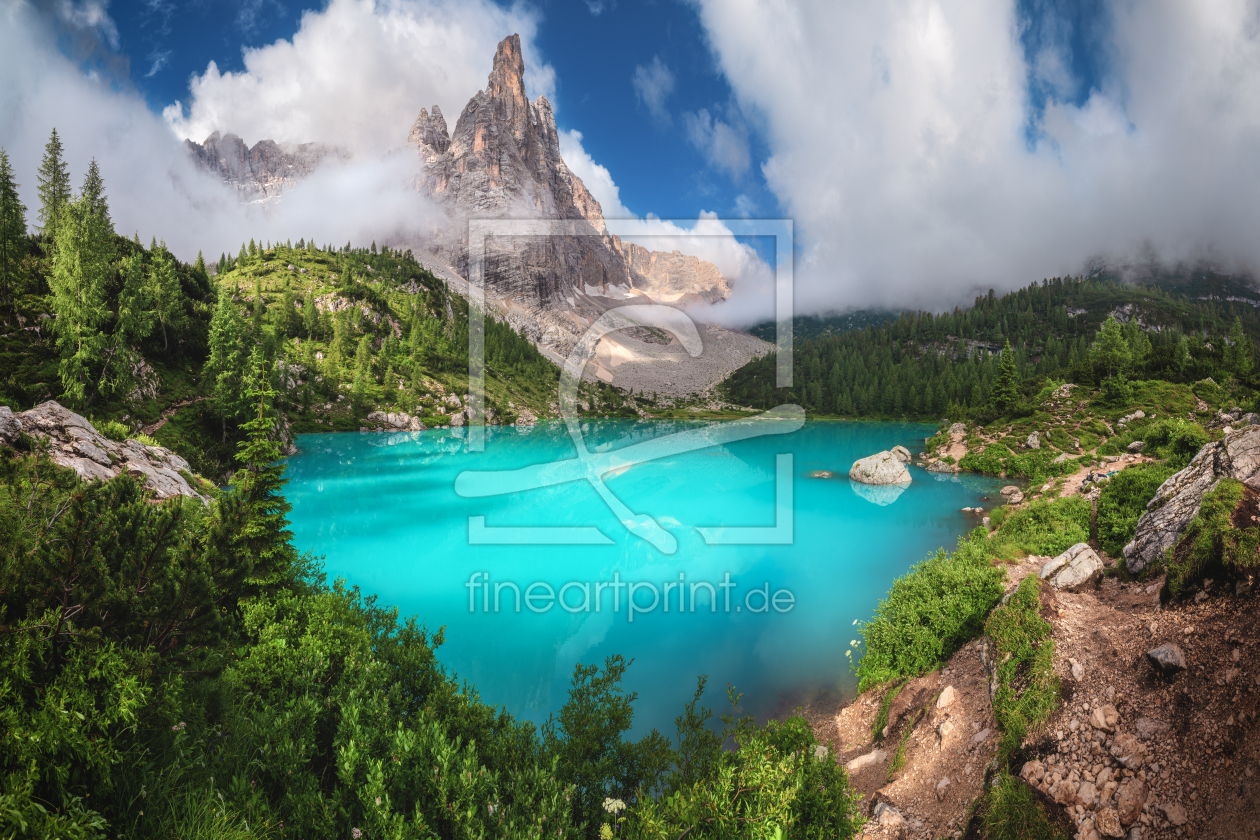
(595, 49)
(926, 150)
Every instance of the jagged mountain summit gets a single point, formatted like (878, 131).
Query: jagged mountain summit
(263, 172)
(503, 161)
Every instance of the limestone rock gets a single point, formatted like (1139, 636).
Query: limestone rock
(1074, 567)
(400, 421)
(1104, 717)
(1033, 772)
(1177, 500)
(10, 426)
(1087, 795)
(1174, 812)
(888, 816)
(261, 172)
(1107, 822)
(1130, 799)
(942, 467)
(948, 696)
(958, 429)
(74, 443)
(1137, 446)
(1034, 441)
(1128, 751)
(1060, 458)
(942, 788)
(880, 468)
(903, 454)
(863, 761)
(1169, 658)
(1147, 728)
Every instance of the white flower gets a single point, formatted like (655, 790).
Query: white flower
(848, 653)
(613, 806)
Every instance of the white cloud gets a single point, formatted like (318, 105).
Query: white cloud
(653, 84)
(357, 73)
(596, 177)
(89, 14)
(897, 141)
(706, 237)
(723, 145)
(152, 185)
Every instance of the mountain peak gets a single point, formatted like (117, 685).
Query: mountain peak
(506, 87)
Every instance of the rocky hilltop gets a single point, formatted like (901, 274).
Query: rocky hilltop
(260, 173)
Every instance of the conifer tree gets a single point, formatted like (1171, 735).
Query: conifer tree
(12, 230)
(225, 366)
(310, 315)
(83, 259)
(290, 322)
(265, 535)
(1181, 356)
(199, 269)
(165, 294)
(1111, 354)
(241, 257)
(54, 187)
(390, 392)
(134, 322)
(259, 305)
(1006, 390)
(1239, 351)
(362, 372)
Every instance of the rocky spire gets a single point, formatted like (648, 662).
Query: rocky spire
(430, 131)
(506, 88)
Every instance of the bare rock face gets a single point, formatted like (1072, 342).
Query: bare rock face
(260, 173)
(397, 420)
(503, 161)
(74, 443)
(1177, 500)
(880, 468)
(10, 426)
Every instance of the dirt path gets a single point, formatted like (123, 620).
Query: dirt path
(167, 414)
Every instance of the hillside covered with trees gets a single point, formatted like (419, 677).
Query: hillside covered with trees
(925, 365)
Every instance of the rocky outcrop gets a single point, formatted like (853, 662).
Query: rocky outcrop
(396, 421)
(903, 454)
(880, 468)
(1177, 500)
(73, 442)
(1074, 567)
(10, 426)
(261, 172)
(672, 277)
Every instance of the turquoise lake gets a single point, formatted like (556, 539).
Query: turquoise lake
(384, 510)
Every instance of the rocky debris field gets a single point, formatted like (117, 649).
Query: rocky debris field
(1140, 747)
(75, 443)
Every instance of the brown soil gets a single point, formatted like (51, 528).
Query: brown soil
(1202, 744)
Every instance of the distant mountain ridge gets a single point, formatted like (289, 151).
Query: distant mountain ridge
(263, 172)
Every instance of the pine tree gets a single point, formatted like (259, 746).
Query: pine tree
(1181, 356)
(133, 322)
(362, 373)
(1111, 354)
(1239, 351)
(54, 187)
(199, 269)
(259, 305)
(290, 321)
(225, 366)
(12, 230)
(83, 259)
(265, 535)
(165, 294)
(1006, 390)
(310, 315)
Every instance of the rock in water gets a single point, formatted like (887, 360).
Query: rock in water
(903, 454)
(1177, 500)
(880, 468)
(1168, 658)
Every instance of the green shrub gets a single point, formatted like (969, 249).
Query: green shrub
(112, 429)
(145, 439)
(1011, 811)
(1027, 688)
(1208, 391)
(1116, 390)
(1089, 439)
(989, 460)
(1212, 541)
(1123, 501)
(1061, 439)
(1177, 441)
(1047, 526)
(930, 612)
(881, 717)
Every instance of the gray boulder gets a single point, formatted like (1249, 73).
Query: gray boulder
(903, 454)
(958, 429)
(400, 421)
(1034, 441)
(880, 468)
(1177, 500)
(1168, 658)
(1074, 567)
(1137, 446)
(10, 426)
